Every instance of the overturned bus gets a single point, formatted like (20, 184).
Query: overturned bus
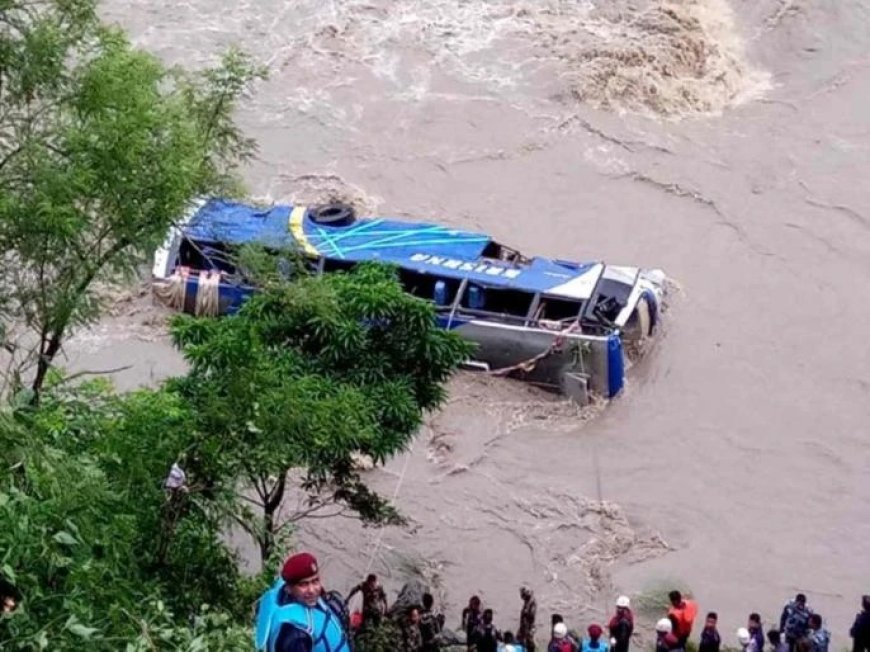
(557, 323)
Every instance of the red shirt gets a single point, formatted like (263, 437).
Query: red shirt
(685, 615)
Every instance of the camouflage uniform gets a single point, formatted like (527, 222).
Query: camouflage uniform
(412, 639)
(526, 631)
(794, 623)
(374, 603)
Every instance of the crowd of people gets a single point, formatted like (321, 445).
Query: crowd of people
(298, 615)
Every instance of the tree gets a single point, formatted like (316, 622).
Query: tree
(101, 148)
(306, 376)
(81, 492)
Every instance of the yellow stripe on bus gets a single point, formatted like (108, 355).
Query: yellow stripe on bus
(297, 217)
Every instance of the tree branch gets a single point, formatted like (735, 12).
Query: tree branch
(249, 500)
(94, 372)
(9, 156)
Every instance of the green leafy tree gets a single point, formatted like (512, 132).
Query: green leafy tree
(101, 148)
(84, 533)
(306, 377)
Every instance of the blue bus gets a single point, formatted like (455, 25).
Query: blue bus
(558, 323)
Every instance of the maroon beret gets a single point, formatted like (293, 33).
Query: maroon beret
(299, 567)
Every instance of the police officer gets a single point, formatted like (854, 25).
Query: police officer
(297, 615)
(794, 623)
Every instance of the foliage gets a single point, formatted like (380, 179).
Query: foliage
(208, 630)
(82, 495)
(385, 637)
(101, 148)
(306, 376)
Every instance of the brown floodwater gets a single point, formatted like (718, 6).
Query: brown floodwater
(726, 142)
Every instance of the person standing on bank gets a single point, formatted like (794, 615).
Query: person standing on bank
(471, 617)
(711, 641)
(374, 601)
(412, 637)
(297, 615)
(431, 623)
(860, 631)
(621, 626)
(819, 636)
(794, 622)
(684, 611)
(526, 632)
(756, 629)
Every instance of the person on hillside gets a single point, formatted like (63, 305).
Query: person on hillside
(374, 600)
(298, 615)
(666, 641)
(431, 623)
(860, 630)
(486, 636)
(776, 642)
(412, 637)
(471, 617)
(621, 625)
(794, 621)
(711, 641)
(684, 611)
(594, 641)
(819, 636)
(560, 641)
(528, 614)
(756, 630)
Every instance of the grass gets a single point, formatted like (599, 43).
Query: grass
(653, 601)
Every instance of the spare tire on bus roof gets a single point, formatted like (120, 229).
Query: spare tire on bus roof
(336, 214)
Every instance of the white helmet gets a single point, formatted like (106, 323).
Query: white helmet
(743, 636)
(623, 601)
(664, 626)
(560, 630)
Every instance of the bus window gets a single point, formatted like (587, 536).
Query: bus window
(442, 291)
(503, 302)
(558, 309)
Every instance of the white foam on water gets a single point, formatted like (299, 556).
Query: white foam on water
(673, 58)
(661, 57)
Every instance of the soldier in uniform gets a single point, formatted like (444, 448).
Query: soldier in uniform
(471, 616)
(431, 623)
(374, 600)
(526, 631)
(412, 638)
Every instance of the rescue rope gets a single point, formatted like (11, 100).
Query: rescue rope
(208, 294)
(380, 536)
(172, 291)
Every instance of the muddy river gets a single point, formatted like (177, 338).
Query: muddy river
(721, 141)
